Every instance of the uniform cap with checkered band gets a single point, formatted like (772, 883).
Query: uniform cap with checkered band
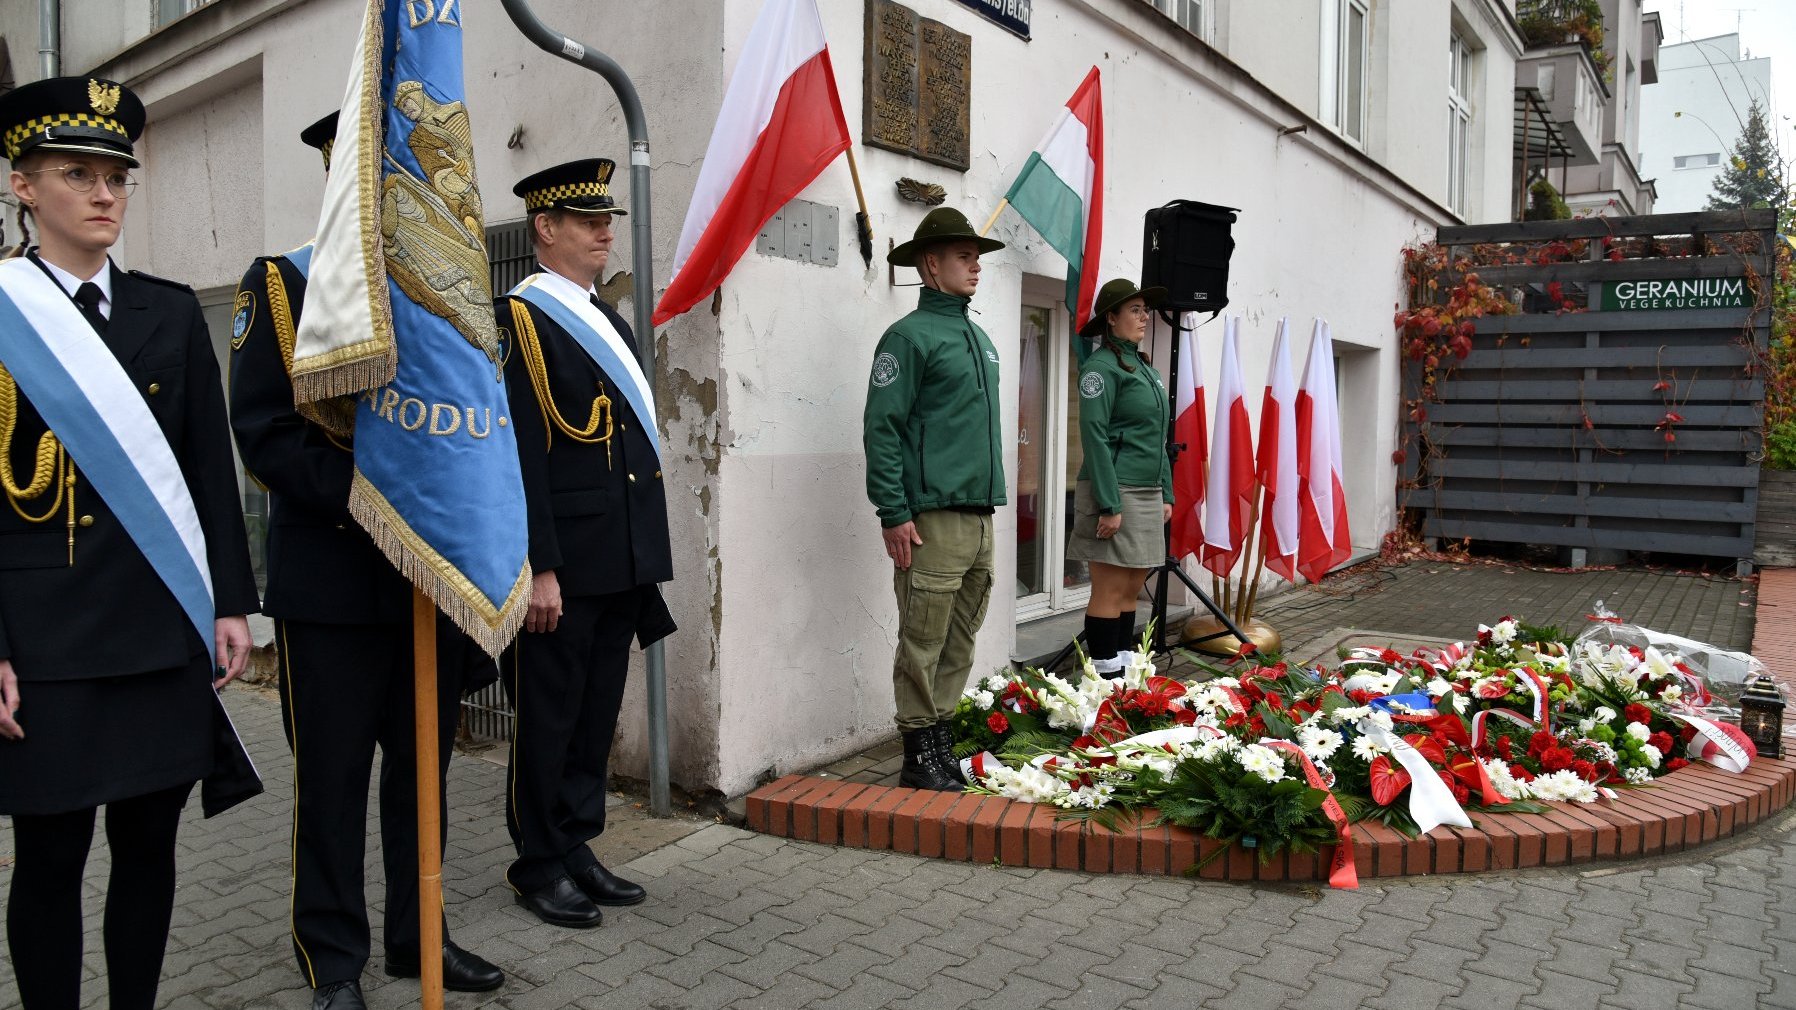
(81, 115)
(323, 136)
(582, 186)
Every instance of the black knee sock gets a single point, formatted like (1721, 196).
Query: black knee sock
(1100, 637)
(140, 897)
(1125, 632)
(43, 911)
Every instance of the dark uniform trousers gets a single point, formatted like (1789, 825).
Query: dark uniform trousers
(598, 520)
(343, 621)
(98, 643)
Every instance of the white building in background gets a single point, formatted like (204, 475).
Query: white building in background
(1342, 129)
(1692, 119)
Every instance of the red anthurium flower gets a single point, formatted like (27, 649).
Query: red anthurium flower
(1184, 717)
(997, 723)
(1388, 780)
(1427, 747)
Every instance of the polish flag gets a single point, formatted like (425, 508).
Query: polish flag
(1324, 540)
(1229, 496)
(781, 124)
(1189, 429)
(1278, 462)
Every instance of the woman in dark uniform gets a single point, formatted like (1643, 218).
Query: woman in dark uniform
(1124, 493)
(106, 685)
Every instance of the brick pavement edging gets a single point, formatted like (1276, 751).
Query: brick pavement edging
(1686, 808)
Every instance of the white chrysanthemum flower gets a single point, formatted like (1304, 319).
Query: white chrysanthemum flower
(996, 682)
(1638, 776)
(1382, 720)
(1505, 783)
(1320, 744)
(984, 699)
(1638, 731)
(1350, 714)
(1563, 787)
(1652, 755)
(1262, 761)
(1505, 631)
(1365, 749)
(1438, 687)
(1216, 747)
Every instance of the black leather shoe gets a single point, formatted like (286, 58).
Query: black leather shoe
(562, 903)
(339, 996)
(462, 971)
(607, 888)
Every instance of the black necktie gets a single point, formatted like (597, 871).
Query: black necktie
(597, 304)
(88, 297)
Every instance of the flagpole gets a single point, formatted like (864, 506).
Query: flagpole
(1253, 530)
(862, 221)
(642, 255)
(994, 218)
(430, 813)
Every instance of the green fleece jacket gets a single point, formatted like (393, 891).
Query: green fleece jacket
(1122, 425)
(931, 430)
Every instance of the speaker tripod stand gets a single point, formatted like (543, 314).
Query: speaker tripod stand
(1170, 568)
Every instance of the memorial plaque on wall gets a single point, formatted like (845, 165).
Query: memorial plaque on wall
(918, 85)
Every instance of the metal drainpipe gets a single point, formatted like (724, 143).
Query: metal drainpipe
(643, 265)
(49, 38)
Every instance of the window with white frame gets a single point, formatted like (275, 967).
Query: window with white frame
(1192, 15)
(1459, 122)
(168, 11)
(1346, 58)
(1709, 160)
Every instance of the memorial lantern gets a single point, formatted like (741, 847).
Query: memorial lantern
(1762, 716)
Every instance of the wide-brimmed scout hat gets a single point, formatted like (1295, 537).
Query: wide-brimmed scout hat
(943, 224)
(323, 136)
(81, 115)
(1112, 294)
(583, 187)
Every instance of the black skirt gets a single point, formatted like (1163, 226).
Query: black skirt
(90, 742)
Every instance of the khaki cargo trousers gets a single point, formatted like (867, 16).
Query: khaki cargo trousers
(942, 599)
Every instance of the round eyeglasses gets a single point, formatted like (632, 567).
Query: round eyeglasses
(81, 179)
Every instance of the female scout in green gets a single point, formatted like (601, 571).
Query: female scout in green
(1124, 494)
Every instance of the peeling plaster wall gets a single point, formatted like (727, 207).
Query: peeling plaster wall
(809, 616)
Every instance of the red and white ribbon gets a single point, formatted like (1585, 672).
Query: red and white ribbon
(1431, 803)
(1341, 872)
(1714, 744)
(1480, 731)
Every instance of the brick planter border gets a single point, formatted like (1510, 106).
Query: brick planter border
(1686, 808)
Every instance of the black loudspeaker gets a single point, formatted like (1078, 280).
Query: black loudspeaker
(1185, 248)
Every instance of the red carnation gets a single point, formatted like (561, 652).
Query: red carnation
(1661, 740)
(997, 723)
(1540, 742)
(1675, 763)
(1556, 759)
(1391, 657)
(1638, 713)
(1584, 770)
(1361, 696)
(1505, 749)
(1521, 774)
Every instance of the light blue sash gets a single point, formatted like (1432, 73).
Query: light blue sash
(601, 352)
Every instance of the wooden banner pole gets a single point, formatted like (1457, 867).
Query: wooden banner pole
(430, 814)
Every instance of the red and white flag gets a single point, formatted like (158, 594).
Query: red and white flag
(1278, 462)
(781, 124)
(1229, 497)
(1189, 429)
(1324, 539)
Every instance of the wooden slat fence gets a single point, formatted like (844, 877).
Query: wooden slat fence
(1546, 433)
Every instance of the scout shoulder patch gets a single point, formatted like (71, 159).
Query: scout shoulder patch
(243, 315)
(991, 355)
(1091, 385)
(885, 369)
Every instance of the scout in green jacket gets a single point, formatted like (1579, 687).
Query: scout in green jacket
(1124, 494)
(935, 473)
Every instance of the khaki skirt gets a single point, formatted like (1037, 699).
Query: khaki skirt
(1139, 543)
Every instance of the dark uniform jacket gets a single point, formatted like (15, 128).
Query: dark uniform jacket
(598, 515)
(110, 613)
(322, 566)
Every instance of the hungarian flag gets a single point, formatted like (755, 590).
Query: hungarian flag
(1278, 462)
(781, 124)
(1189, 430)
(1060, 192)
(399, 316)
(1229, 497)
(1324, 540)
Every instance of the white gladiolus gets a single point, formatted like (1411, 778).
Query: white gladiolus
(1028, 784)
(1672, 693)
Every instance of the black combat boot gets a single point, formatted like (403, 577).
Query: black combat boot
(921, 770)
(944, 750)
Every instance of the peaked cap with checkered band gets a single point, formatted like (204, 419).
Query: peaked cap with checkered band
(82, 115)
(323, 136)
(582, 186)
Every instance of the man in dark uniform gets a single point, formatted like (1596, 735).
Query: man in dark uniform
(123, 561)
(343, 628)
(585, 422)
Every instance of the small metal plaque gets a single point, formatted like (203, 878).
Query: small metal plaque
(918, 95)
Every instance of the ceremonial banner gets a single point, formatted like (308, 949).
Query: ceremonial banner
(1278, 462)
(1060, 192)
(781, 124)
(1189, 430)
(399, 313)
(1229, 497)
(1324, 539)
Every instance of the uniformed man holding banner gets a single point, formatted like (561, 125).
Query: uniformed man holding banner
(343, 629)
(124, 572)
(585, 421)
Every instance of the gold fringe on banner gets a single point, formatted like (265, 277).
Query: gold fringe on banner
(491, 627)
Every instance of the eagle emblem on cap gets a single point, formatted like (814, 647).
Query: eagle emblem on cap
(103, 97)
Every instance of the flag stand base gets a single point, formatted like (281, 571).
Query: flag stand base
(1209, 637)
(1218, 628)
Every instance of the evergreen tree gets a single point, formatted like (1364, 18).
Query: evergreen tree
(1754, 175)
